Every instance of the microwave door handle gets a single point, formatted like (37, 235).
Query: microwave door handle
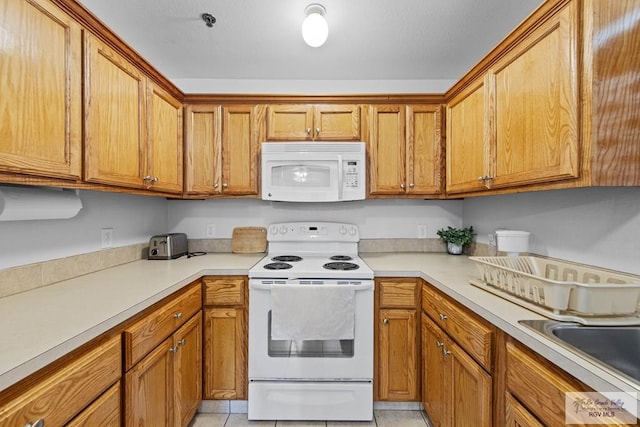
(339, 177)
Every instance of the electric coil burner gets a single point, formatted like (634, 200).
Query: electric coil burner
(311, 326)
(341, 265)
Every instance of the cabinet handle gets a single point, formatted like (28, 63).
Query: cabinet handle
(178, 315)
(147, 178)
(36, 423)
(173, 349)
(480, 178)
(411, 185)
(385, 321)
(308, 131)
(439, 344)
(402, 186)
(443, 316)
(182, 342)
(225, 185)
(215, 185)
(155, 179)
(487, 178)
(317, 131)
(445, 352)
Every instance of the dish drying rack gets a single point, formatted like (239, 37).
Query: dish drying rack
(562, 290)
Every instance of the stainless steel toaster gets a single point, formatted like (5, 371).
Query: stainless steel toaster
(168, 246)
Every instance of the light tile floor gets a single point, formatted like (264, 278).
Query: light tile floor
(382, 418)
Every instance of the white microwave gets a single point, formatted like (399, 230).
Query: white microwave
(313, 171)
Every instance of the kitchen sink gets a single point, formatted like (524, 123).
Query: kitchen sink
(614, 348)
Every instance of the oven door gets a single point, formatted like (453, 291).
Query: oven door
(316, 359)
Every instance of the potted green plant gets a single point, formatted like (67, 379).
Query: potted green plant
(456, 238)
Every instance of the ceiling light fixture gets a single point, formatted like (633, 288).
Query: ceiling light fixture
(208, 19)
(314, 27)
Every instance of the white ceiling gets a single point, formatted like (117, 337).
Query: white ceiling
(261, 40)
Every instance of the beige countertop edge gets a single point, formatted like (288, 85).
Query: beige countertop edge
(450, 274)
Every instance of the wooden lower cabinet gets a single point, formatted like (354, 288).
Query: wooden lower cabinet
(226, 337)
(164, 388)
(62, 392)
(457, 391)
(517, 415)
(397, 369)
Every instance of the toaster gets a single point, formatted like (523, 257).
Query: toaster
(168, 246)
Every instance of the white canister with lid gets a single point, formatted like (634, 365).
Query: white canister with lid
(513, 242)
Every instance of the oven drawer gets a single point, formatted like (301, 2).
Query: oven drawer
(281, 400)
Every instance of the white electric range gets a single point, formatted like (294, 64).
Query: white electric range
(311, 326)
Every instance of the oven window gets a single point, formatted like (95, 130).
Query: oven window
(300, 176)
(308, 348)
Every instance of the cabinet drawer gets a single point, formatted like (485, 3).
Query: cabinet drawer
(104, 412)
(471, 333)
(58, 397)
(224, 290)
(539, 387)
(398, 292)
(152, 329)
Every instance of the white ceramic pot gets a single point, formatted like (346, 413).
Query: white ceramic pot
(454, 249)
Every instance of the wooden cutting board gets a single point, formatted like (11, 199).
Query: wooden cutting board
(249, 240)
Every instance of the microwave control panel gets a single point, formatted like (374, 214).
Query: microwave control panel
(351, 170)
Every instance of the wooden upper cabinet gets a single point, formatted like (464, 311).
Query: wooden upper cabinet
(536, 105)
(240, 141)
(41, 90)
(467, 140)
(133, 128)
(306, 122)
(203, 149)
(405, 150)
(425, 155)
(164, 148)
(115, 117)
(387, 150)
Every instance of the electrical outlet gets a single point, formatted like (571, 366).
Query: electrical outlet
(422, 231)
(492, 240)
(107, 237)
(211, 230)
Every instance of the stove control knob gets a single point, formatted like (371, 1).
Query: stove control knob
(352, 231)
(283, 229)
(343, 230)
(273, 229)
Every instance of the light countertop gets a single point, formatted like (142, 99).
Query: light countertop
(39, 326)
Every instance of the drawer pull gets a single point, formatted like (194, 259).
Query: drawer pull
(445, 352)
(443, 317)
(385, 321)
(36, 423)
(182, 342)
(173, 349)
(439, 344)
(178, 315)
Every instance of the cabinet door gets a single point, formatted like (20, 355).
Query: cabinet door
(336, 123)
(188, 370)
(398, 355)
(535, 126)
(387, 150)
(203, 149)
(470, 401)
(289, 122)
(149, 391)
(164, 148)
(434, 384)
(115, 117)
(424, 149)
(517, 415)
(467, 140)
(225, 357)
(240, 150)
(103, 412)
(41, 101)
